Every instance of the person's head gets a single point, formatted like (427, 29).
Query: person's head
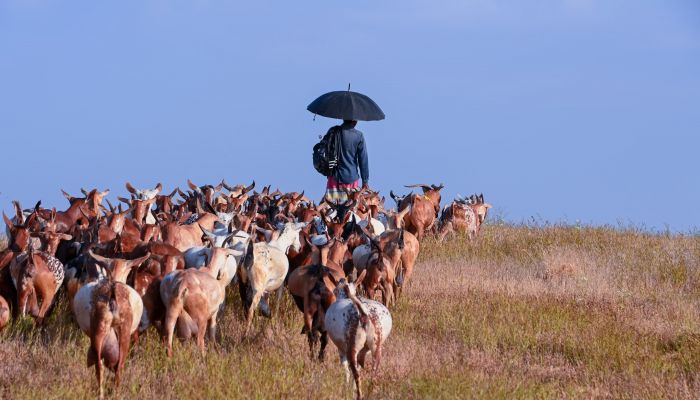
(350, 122)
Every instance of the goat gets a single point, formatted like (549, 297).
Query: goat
(424, 209)
(312, 290)
(4, 313)
(265, 267)
(19, 234)
(79, 207)
(109, 312)
(464, 215)
(36, 276)
(7, 286)
(357, 327)
(196, 295)
(140, 209)
(185, 236)
(144, 194)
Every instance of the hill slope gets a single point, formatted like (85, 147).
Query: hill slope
(520, 313)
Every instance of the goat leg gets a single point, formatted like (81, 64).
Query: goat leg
(355, 373)
(324, 342)
(46, 301)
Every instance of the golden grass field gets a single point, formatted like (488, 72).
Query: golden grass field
(522, 312)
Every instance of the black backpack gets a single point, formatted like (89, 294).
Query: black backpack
(326, 152)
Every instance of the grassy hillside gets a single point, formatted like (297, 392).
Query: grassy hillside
(520, 313)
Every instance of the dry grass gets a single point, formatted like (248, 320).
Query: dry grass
(523, 312)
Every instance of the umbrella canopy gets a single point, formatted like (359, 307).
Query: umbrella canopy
(348, 105)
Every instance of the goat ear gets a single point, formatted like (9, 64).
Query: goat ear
(124, 200)
(66, 195)
(8, 222)
(192, 185)
(159, 187)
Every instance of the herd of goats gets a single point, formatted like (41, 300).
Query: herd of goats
(166, 263)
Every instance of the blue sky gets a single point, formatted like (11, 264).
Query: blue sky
(564, 110)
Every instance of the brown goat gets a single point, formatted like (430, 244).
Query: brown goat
(184, 237)
(424, 209)
(312, 286)
(4, 313)
(36, 276)
(464, 215)
(79, 207)
(20, 234)
(193, 295)
(110, 335)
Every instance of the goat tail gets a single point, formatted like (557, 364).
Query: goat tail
(400, 273)
(182, 291)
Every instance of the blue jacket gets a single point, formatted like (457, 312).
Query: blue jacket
(353, 156)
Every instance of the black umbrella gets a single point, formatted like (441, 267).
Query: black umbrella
(348, 105)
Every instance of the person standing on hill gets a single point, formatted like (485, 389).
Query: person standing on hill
(352, 162)
(341, 155)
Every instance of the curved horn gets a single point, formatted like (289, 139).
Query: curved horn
(138, 261)
(100, 259)
(130, 188)
(249, 188)
(360, 278)
(419, 185)
(206, 232)
(173, 192)
(111, 207)
(301, 196)
(227, 186)
(18, 212)
(193, 186)
(66, 195)
(85, 192)
(437, 188)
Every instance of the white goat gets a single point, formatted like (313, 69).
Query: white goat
(264, 268)
(357, 326)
